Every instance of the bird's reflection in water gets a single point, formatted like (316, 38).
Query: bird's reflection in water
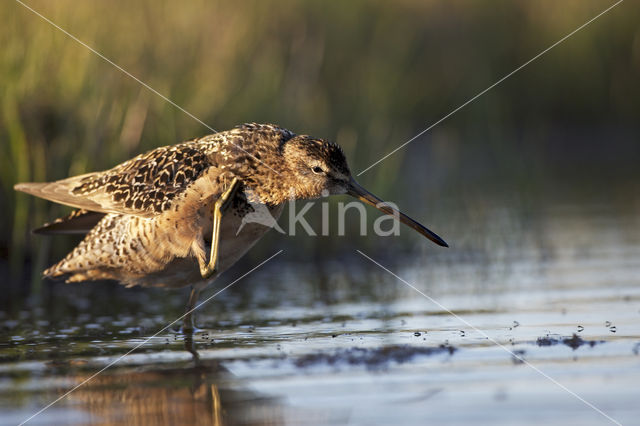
(198, 391)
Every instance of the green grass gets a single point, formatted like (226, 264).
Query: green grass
(368, 74)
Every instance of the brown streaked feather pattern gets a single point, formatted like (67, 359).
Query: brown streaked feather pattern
(148, 184)
(153, 213)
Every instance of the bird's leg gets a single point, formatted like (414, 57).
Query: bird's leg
(187, 325)
(219, 208)
(190, 347)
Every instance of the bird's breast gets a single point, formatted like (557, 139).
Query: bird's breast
(171, 236)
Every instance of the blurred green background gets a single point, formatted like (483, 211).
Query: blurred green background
(366, 74)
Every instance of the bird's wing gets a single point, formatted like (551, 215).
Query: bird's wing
(143, 186)
(77, 222)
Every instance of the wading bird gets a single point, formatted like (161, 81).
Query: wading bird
(170, 217)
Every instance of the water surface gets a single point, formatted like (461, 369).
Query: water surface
(546, 329)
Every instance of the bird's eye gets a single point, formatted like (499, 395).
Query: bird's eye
(317, 170)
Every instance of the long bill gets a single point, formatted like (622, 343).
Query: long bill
(357, 191)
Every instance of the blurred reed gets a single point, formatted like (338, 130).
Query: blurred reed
(368, 74)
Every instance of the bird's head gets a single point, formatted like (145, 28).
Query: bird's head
(317, 168)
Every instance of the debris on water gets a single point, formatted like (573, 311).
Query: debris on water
(449, 348)
(546, 341)
(518, 356)
(573, 342)
(417, 334)
(372, 358)
(580, 328)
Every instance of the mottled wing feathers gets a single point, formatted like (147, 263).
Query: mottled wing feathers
(58, 192)
(142, 186)
(77, 222)
(147, 184)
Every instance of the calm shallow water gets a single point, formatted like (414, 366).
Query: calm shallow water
(347, 343)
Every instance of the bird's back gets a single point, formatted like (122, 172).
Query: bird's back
(157, 210)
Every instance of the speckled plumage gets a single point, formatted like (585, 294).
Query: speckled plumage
(152, 214)
(183, 214)
(150, 220)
